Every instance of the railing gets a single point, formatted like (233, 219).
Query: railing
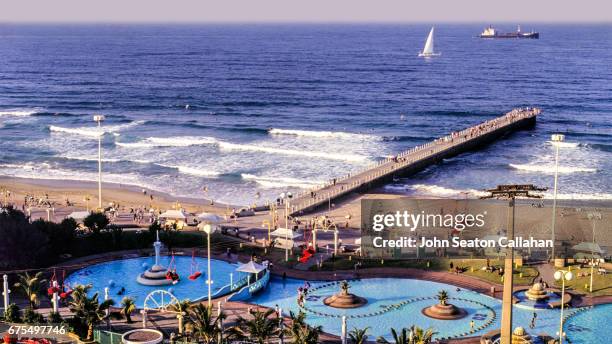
(246, 292)
(106, 337)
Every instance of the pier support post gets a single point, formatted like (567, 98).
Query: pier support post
(5, 292)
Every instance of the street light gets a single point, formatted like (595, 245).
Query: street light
(208, 229)
(99, 119)
(556, 140)
(562, 275)
(286, 197)
(593, 216)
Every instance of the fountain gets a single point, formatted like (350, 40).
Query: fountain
(156, 275)
(444, 310)
(537, 292)
(344, 299)
(520, 336)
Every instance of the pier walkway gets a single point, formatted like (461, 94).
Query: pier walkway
(414, 160)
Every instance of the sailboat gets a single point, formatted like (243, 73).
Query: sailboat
(428, 49)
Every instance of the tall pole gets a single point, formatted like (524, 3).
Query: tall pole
(510, 192)
(209, 271)
(99, 119)
(562, 275)
(556, 139)
(5, 292)
(506, 321)
(343, 337)
(593, 217)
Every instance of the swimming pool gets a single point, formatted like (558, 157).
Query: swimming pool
(397, 303)
(122, 273)
(590, 325)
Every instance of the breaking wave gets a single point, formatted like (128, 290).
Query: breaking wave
(550, 169)
(322, 134)
(93, 131)
(280, 182)
(441, 191)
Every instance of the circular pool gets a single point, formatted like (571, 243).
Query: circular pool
(589, 325)
(397, 303)
(120, 276)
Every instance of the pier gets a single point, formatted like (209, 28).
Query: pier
(414, 160)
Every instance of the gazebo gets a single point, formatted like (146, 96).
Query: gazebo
(173, 216)
(587, 249)
(251, 268)
(285, 237)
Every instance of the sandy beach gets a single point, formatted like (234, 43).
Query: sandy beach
(76, 192)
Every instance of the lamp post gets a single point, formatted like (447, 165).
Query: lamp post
(99, 119)
(562, 275)
(208, 229)
(593, 216)
(556, 140)
(286, 197)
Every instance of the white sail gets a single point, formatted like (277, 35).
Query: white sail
(429, 44)
(428, 50)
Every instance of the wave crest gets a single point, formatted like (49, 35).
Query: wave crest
(93, 131)
(280, 182)
(550, 169)
(321, 134)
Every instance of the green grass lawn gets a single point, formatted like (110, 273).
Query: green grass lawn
(602, 284)
(523, 275)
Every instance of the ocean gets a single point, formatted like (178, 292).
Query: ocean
(248, 111)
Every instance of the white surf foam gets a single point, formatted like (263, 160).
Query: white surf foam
(564, 144)
(93, 130)
(550, 169)
(20, 112)
(195, 171)
(280, 182)
(441, 191)
(184, 141)
(321, 134)
(291, 152)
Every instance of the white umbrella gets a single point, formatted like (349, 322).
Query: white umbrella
(210, 218)
(78, 215)
(173, 214)
(285, 233)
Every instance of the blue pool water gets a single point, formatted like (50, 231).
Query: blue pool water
(590, 326)
(123, 273)
(382, 293)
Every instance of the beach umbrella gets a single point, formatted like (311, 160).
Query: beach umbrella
(78, 215)
(173, 214)
(210, 218)
(251, 267)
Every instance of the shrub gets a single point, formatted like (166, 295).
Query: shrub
(12, 314)
(30, 316)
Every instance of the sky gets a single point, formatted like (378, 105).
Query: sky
(514, 11)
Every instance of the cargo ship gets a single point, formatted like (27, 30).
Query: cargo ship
(491, 32)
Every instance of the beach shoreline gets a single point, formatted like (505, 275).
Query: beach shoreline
(126, 196)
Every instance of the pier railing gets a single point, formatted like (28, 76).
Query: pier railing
(396, 164)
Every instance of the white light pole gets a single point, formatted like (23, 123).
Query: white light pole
(99, 119)
(562, 275)
(343, 336)
(556, 140)
(593, 216)
(286, 197)
(5, 292)
(208, 229)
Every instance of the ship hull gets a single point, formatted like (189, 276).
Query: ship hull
(531, 35)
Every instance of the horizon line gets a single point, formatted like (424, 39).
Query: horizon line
(304, 22)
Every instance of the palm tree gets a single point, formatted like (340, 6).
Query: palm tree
(127, 307)
(88, 309)
(421, 336)
(259, 329)
(181, 306)
(359, 336)
(31, 286)
(442, 297)
(300, 332)
(413, 335)
(205, 328)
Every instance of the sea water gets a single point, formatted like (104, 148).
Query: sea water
(249, 111)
